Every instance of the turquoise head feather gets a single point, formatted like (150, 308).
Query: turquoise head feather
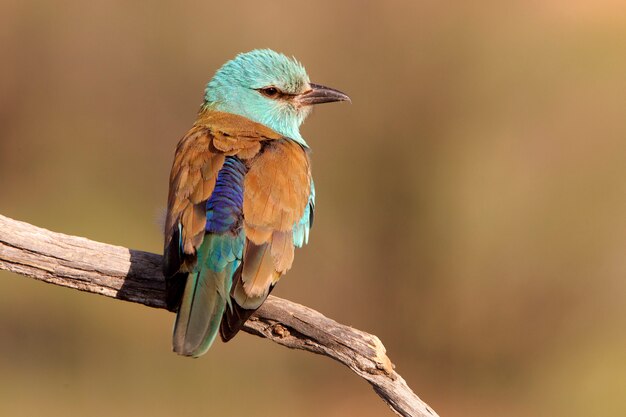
(262, 85)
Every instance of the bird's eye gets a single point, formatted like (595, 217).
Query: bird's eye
(271, 92)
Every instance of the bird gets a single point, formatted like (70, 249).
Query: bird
(241, 196)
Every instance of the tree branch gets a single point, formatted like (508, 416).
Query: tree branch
(135, 276)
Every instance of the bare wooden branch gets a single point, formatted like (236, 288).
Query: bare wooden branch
(135, 276)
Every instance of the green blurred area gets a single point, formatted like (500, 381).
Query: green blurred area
(471, 202)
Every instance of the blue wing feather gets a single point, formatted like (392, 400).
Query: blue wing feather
(224, 209)
(207, 290)
(302, 228)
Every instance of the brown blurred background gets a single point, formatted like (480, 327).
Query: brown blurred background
(471, 202)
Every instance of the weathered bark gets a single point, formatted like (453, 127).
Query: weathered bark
(135, 276)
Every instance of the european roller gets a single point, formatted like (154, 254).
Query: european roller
(241, 196)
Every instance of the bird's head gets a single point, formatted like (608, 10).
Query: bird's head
(270, 89)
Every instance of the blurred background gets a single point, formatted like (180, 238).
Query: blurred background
(471, 203)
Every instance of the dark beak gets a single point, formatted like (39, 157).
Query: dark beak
(319, 94)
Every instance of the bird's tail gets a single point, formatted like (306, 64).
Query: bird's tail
(204, 300)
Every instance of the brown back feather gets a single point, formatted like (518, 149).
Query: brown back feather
(199, 157)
